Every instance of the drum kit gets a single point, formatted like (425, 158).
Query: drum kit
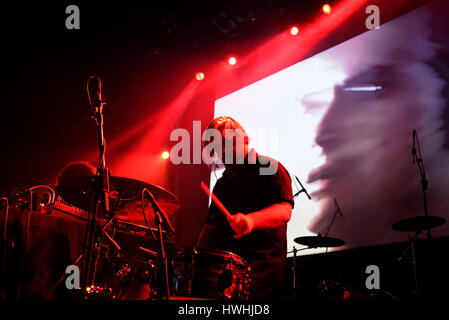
(414, 225)
(127, 258)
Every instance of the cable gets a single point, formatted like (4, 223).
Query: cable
(5, 221)
(53, 193)
(143, 211)
(4, 247)
(88, 94)
(22, 260)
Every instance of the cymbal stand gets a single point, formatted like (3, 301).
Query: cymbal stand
(411, 246)
(295, 251)
(161, 218)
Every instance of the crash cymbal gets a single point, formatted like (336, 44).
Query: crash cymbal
(418, 223)
(129, 191)
(319, 241)
(125, 197)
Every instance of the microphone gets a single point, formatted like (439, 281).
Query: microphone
(94, 91)
(414, 146)
(163, 215)
(303, 189)
(338, 208)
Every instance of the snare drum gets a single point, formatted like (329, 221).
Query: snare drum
(209, 274)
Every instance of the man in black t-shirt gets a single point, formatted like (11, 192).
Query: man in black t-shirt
(257, 191)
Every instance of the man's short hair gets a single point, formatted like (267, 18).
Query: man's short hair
(227, 123)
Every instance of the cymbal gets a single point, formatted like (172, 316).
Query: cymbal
(124, 197)
(129, 192)
(418, 223)
(319, 241)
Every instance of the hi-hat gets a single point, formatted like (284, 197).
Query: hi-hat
(418, 223)
(319, 241)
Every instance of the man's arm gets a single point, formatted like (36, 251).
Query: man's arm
(270, 217)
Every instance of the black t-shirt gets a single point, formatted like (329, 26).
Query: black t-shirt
(243, 189)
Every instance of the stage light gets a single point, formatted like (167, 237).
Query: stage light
(199, 76)
(326, 9)
(294, 30)
(165, 155)
(232, 61)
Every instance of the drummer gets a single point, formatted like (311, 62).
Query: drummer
(260, 204)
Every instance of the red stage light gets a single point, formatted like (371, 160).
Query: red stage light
(199, 76)
(165, 155)
(326, 9)
(232, 61)
(294, 30)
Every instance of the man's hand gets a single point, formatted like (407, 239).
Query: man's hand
(241, 224)
(270, 217)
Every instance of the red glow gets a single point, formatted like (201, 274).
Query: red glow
(232, 61)
(294, 30)
(199, 76)
(165, 155)
(143, 159)
(326, 9)
(281, 52)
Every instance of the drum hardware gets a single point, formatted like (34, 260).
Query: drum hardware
(129, 275)
(225, 280)
(295, 251)
(419, 223)
(426, 222)
(318, 241)
(125, 198)
(160, 218)
(101, 292)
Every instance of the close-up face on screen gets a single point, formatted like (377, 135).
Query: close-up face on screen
(220, 159)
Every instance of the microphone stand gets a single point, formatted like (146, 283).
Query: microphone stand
(100, 201)
(337, 210)
(422, 173)
(161, 218)
(302, 189)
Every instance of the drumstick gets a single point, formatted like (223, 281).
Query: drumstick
(216, 201)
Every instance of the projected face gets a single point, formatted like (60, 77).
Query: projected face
(365, 137)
